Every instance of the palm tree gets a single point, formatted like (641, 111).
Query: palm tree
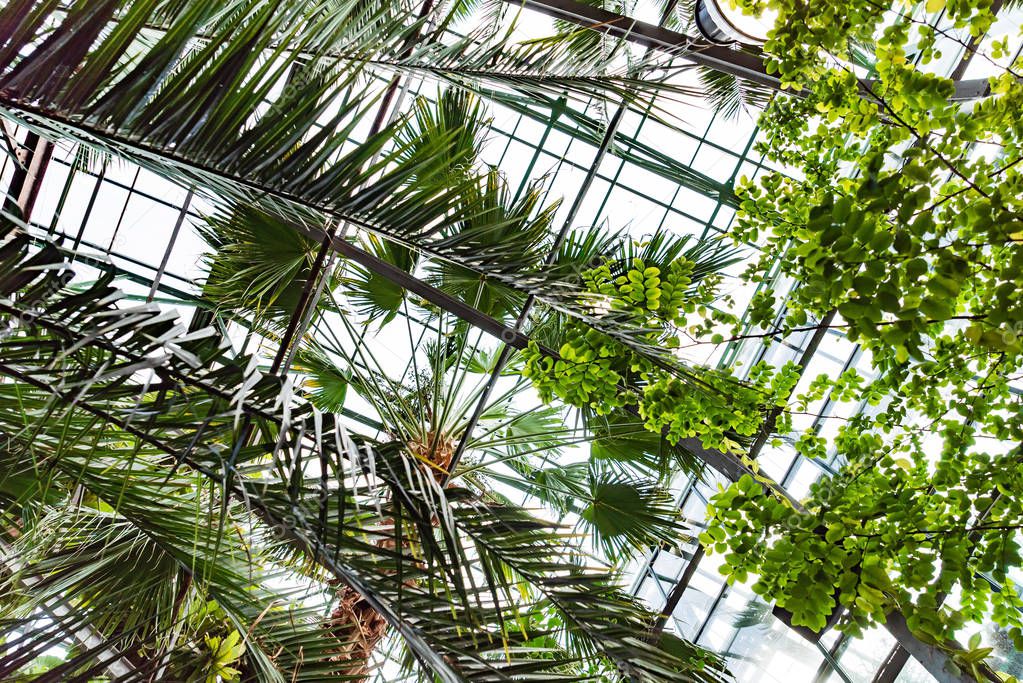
(191, 108)
(221, 496)
(174, 511)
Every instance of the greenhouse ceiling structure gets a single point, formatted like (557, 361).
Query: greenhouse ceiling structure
(511, 340)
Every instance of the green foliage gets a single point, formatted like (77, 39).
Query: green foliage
(505, 226)
(453, 118)
(622, 440)
(371, 294)
(595, 372)
(223, 653)
(905, 216)
(225, 475)
(258, 263)
(598, 373)
(631, 514)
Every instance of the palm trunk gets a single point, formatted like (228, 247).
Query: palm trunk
(357, 626)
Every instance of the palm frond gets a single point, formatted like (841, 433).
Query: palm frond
(371, 294)
(455, 119)
(200, 105)
(257, 265)
(621, 440)
(628, 516)
(731, 96)
(370, 516)
(505, 228)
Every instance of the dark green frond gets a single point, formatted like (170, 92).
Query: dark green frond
(256, 264)
(372, 295)
(731, 96)
(510, 230)
(367, 515)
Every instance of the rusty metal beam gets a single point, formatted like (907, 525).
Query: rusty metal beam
(33, 157)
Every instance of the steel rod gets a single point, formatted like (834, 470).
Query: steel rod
(738, 63)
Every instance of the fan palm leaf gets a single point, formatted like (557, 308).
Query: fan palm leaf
(197, 103)
(154, 405)
(257, 265)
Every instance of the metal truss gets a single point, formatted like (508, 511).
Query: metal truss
(743, 64)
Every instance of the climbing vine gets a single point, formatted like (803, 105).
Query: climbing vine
(596, 372)
(901, 209)
(905, 216)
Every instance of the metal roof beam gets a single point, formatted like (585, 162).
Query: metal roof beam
(738, 63)
(735, 62)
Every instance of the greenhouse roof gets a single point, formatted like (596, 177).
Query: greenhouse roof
(672, 164)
